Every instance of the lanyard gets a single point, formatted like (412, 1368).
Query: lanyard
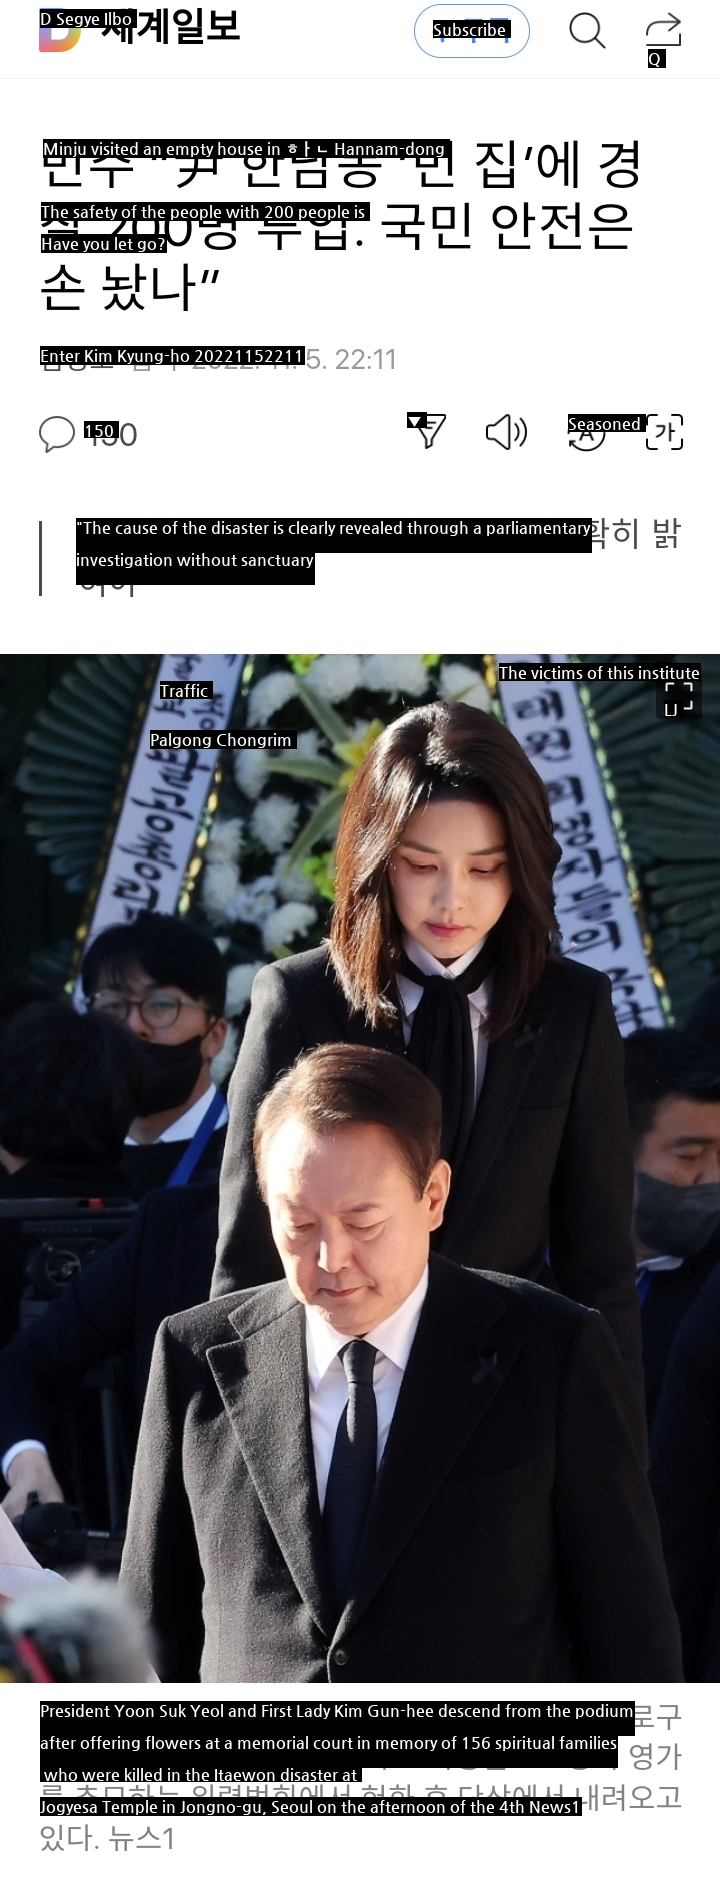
(189, 1160)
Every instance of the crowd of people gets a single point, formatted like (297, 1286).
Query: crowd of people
(375, 1354)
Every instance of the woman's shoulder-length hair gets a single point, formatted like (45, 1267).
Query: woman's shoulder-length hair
(445, 749)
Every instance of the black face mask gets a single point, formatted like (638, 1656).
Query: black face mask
(170, 1072)
(677, 1221)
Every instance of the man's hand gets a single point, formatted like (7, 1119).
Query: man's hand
(30, 1470)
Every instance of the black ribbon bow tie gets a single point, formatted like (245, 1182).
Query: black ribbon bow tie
(441, 1043)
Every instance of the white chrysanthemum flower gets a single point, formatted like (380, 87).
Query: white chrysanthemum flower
(395, 675)
(457, 682)
(274, 821)
(218, 886)
(224, 1063)
(224, 840)
(239, 985)
(284, 924)
(358, 731)
(269, 695)
(250, 771)
(254, 901)
(335, 677)
(308, 743)
(293, 884)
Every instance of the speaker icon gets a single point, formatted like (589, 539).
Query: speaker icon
(506, 432)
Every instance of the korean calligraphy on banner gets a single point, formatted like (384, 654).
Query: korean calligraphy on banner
(165, 795)
(596, 917)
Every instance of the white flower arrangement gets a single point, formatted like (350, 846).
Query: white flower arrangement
(395, 675)
(308, 743)
(219, 884)
(224, 840)
(291, 881)
(254, 901)
(239, 986)
(459, 683)
(269, 695)
(284, 924)
(274, 821)
(250, 771)
(335, 677)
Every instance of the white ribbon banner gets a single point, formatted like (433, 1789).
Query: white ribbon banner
(165, 795)
(596, 917)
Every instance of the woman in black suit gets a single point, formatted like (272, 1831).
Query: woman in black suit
(440, 949)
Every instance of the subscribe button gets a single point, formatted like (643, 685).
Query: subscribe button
(447, 32)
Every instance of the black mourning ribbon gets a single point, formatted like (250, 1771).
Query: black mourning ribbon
(351, 1479)
(441, 1043)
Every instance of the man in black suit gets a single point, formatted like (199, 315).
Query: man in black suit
(113, 1306)
(548, 1164)
(672, 1083)
(384, 1469)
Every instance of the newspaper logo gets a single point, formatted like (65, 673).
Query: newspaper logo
(57, 38)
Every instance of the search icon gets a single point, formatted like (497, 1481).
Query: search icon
(584, 38)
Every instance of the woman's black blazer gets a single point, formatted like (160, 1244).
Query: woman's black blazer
(548, 1168)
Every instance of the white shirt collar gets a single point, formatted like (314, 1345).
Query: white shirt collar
(183, 1129)
(412, 993)
(393, 1336)
(660, 1263)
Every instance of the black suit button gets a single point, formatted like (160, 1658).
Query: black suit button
(340, 1656)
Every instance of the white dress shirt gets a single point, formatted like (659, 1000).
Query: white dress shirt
(184, 1128)
(659, 1263)
(328, 1386)
(479, 1001)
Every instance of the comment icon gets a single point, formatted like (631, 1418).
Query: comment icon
(55, 432)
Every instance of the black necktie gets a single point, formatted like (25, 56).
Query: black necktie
(441, 1043)
(353, 1468)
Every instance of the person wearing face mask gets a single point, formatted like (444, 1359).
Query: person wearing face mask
(165, 982)
(672, 1083)
(442, 950)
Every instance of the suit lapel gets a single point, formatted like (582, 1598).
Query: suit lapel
(510, 1062)
(356, 1029)
(456, 1367)
(262, 1380)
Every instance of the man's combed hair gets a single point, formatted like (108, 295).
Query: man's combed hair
(70, 1085)
(663, 1063)
(444, 751)
(168, 950)
(339, 1085)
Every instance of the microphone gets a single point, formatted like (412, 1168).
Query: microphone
(85, 1630)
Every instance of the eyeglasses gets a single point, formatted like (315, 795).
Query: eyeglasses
(157, 1011)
